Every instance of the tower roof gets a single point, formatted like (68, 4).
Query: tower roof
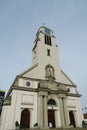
(45, 28)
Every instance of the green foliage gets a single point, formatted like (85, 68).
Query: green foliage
(16, 123)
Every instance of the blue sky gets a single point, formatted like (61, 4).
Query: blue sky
(19, 22)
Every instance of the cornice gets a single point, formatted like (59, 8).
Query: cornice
(34, 79)
(24, 88)
(73, 95)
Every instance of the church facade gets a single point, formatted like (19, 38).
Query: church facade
(43, 95)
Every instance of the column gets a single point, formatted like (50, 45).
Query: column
(61, 112)
(57, 118)
(41, 111)
(45, 112)
(75, 119)
(65, 112)
(31, 116)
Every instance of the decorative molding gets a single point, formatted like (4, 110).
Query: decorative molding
(51, 87)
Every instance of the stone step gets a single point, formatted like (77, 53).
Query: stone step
(57, 129)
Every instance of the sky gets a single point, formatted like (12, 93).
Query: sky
(19, 23)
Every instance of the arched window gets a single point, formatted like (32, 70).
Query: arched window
(51, 102)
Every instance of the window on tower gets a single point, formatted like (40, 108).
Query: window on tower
(48, 40)
(48, 52)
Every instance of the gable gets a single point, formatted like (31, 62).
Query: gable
(65, 79)
(31, 72)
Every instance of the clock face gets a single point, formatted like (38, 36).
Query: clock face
(47, 31)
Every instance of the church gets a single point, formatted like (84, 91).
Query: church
(43, 94)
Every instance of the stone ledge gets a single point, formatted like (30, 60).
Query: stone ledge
(57, 129)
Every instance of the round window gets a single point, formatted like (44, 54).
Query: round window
(28, 83)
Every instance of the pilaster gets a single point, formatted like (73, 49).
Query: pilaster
(63, 110)
(43, 115)
(41, 111)
(45, 112)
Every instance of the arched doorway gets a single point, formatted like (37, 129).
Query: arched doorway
(72, 119)
(25, 119)
(51, 113)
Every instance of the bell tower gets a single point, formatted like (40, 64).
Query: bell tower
(45, 53)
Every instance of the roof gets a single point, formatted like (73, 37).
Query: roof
(46, 28)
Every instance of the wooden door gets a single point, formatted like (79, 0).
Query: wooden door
(72, 119)
(25, 119)
(51, 118)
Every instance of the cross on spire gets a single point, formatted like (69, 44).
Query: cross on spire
(44, 24)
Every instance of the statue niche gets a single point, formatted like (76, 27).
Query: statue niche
(49, 71)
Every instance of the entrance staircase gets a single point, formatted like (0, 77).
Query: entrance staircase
(57, 129)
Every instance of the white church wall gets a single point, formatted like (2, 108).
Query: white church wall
(19, 101)
(79, 112)
(20, 82)
(65, 79)
(71, 89)
(34, 116)
(23, 83)
(13, 108)
(28, 100)
(35, 84)
(17, 109)
(33, 73)
(5, 123)
(73, 104)
(44, 60)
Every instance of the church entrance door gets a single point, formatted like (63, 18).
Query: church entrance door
(51, 118)
(25, 119)
(72, 119)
